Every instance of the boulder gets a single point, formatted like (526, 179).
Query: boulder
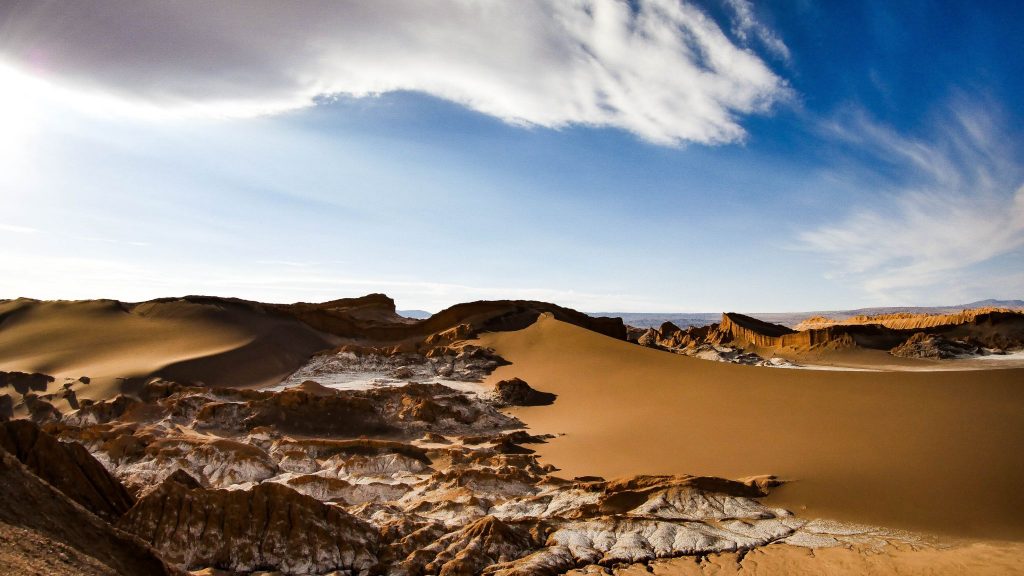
(516, 392)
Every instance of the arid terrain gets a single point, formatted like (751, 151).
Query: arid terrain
(223, 436)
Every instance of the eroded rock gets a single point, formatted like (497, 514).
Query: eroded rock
(516, 392)
(270, 526)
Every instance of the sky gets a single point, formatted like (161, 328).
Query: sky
(654, 155)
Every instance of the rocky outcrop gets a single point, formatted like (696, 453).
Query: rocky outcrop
(915, 321)
(269, 527)
(468, 551)
(451, 488)
(922, 345)
(971, 332)
(43, 531)
(6, 407)
(23, 382)
(516, 392)
(350, 365)
(68, 467)
(710, 342)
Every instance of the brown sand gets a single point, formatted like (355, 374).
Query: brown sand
(107, 341)
(931, 451)
(975, 559)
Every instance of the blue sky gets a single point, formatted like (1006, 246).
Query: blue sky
(652, 156)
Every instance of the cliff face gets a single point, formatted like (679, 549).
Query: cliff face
(751, 331)
(45, 532)
(68, 467)
(979, 330)
(911, 321)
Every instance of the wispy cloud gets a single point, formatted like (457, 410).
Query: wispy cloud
(747, 27)
(18, 229)
(958, 204)
(662, 69)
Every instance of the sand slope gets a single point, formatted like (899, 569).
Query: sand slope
(936, 451)
(222, 343)
(978, 559)
(231, 342)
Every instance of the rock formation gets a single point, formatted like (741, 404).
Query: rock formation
(516, 392)
(267, 527)
(24, 383)
(923, 345)
(448, 487)
(42, 531)
(970, 332)
(68, 467)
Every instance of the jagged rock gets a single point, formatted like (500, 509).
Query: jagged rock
(333, 489)
(68, 467)
(100, 412)
(468, 551)
(302, 412)
(609, 541)
(923, 345)
(365, 447)
(6, 407)
(218, 463)
(549, 561)
(183, 478)
(432, 438)
(945, 335)
(269, 527)
(40, 410)
(516, 392)
(23, 382)
(42, 524)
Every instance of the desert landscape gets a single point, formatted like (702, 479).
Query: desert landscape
(511, 288)
(503, 437)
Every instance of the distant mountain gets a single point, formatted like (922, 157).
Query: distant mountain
(655, 319)
(990, 303)
(790, 319)
(415, 314)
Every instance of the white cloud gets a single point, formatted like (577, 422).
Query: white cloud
(664, 71)
(18, 229)
(746, 27)
(960, 208)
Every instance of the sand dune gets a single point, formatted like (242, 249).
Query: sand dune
(936, 451)
(221, 343)
(975, 559)
(230, 342)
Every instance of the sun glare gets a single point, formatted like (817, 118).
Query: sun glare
(19, 115)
